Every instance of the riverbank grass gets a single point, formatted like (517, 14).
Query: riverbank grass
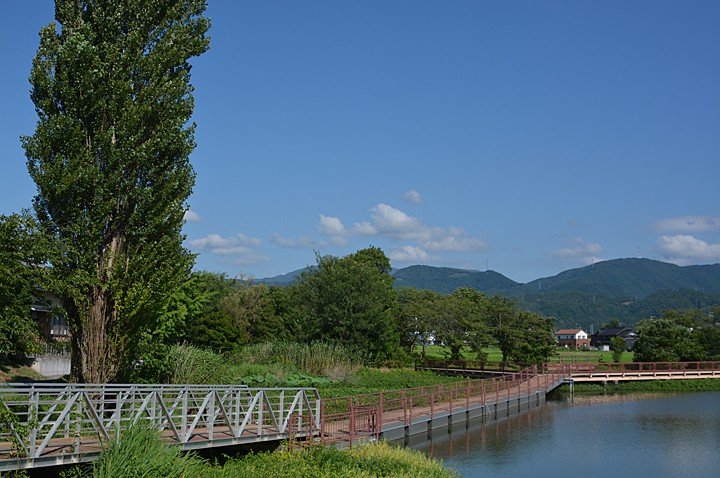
(366, 461)
(141, 453)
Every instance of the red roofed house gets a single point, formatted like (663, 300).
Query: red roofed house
(572, 338)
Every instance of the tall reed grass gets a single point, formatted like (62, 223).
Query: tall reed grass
(331, 360)
(141, 453)
(189, 364)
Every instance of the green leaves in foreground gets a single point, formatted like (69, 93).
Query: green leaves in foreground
(142, 454)
(375, 460)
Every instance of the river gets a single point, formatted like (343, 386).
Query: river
(639, 435)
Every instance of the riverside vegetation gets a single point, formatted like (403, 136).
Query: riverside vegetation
(141, 453)
(335, 370)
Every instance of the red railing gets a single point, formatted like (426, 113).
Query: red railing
(351, 418)
(474, 365)
(631, 367)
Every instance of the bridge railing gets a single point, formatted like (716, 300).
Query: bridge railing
(632, 367)
(348, 418)
(52, 421)
(475, 365)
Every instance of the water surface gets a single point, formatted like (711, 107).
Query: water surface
(639, 435)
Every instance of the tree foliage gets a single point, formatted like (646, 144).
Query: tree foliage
(349, 300)
(665, 340)
(679, 336)
(617, 347)
(460, 321)
(110, 158)
(21, 259)
(418, 311)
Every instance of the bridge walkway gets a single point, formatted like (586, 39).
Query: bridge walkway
(396, 414)
(57, 424)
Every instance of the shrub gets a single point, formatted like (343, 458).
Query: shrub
(141, 453)
(189, 364)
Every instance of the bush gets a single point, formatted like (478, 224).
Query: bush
(374, 460)
(189, 364)
(141, 453)
(331, 360)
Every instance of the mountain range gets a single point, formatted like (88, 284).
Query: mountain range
(624, 289)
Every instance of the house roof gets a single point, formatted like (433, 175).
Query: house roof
(568, 331)
(622, 331)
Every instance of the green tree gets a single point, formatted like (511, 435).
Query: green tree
(110, 158)
(617, 347)
(460, 321)
(537, 342)
(417, 311)
(706, 333)
(153, 343)
(271, 323)
(503, 321)
(21, 258)
(253, 311)
(665, 340)
(349, 300)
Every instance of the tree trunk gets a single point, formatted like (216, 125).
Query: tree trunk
(94, 358)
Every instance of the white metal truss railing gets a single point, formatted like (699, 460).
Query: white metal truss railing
(58, 423)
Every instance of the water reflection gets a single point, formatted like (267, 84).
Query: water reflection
(659, 435)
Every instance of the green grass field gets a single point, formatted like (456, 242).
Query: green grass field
(440, 352)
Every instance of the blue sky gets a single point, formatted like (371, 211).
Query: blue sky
(527, 137)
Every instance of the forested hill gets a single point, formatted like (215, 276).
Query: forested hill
(445, 280)
(625, 289)
(630, 279)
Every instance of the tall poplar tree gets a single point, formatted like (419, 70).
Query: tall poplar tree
(110, 158)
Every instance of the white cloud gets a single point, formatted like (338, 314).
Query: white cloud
(453, 239)
(684, 249)
(580, 249)
(192, 216)
(408, 254)
(412, 197)
(249, 259)
(330, 226)
(238, 249)
(364, 229)
(688, 224)
(301, 242)
(395, 223)
(215, 242)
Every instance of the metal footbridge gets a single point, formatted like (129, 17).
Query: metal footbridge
(59, 424)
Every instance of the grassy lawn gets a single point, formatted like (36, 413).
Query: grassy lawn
(373, 380)
(440, 352)
(14, 371)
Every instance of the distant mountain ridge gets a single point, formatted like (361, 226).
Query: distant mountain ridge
(631, 278)
(624, 289)
(445, 280)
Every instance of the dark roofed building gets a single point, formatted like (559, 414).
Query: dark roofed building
(602, 338)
